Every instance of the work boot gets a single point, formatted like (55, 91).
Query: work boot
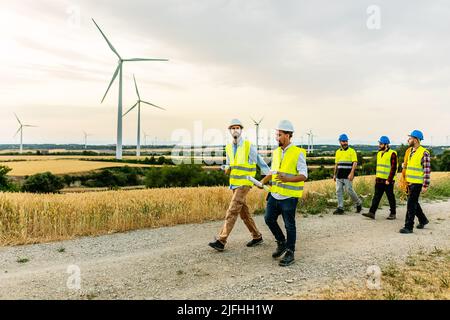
(358, 208)
(338, 211)
(254, 242)
(219, 246)
(370, 215)
(281, 248)
(405, 230)
(392, 216)
(422, 225)
(288, 259)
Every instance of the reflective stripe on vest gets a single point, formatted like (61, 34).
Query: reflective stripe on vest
(384, 164)
(239, 164)
(288, 166)
(344, 158)
(414, 168)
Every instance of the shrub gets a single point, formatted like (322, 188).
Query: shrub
(43, 183)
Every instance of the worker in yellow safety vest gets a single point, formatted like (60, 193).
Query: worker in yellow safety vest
(287, 176)
(346, 162)
(241, 161)
(386, 172)
(416, 171)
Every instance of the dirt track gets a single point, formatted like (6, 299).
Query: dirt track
(176, 263)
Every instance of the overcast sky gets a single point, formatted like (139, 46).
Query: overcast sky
(329, 66)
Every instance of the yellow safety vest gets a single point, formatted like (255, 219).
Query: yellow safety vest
(239, 164)
(288, 166)
(345, 158)
(384, 164)
(414, 168)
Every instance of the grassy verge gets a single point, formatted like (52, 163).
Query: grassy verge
(420, 276)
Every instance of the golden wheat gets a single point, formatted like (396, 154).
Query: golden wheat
(32, 218)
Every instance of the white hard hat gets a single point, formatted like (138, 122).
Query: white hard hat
(235, 122)
(285, 125)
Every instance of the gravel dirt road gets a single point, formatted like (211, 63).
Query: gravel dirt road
(176, 263)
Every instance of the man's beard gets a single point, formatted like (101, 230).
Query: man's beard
(236, 136)
(345, 147)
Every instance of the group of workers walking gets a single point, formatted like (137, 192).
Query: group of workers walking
(289, 172)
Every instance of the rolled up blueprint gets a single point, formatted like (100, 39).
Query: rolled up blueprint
(258, 184)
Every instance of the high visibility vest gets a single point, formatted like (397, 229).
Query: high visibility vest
(414, 168)
(288, 166)
(345, 158)
(239, 164)
(384, 164)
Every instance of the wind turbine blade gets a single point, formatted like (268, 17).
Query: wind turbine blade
(109, 43)
(153, 105)
(135, 85)
(112, 80)
(143, 59)
(29, 125)
(253, 120)
(18, 130)
(18, 119)
(130, 109)
(261, 120)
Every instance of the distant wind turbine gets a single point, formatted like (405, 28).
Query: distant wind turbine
(119, 71)
(86, 135)
(257, 123)
(21, 131)
(138, 104)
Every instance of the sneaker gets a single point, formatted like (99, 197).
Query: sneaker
(358, 208)
(338, 211)
(281, 248)
(288, 259)
(254, 242)
(405, 230)
(391, 217)
(370, 215)
(422, 225)
(219, 246)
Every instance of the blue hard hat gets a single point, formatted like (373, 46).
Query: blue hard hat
(343, 137)
(417, 134)
(384, 140)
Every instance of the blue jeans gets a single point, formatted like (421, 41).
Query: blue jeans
(287, 210)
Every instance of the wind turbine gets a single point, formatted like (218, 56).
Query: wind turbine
(86, 135)
(138, 104)
(145, 138)
(21, 131)
(257, 123)
(119, 71)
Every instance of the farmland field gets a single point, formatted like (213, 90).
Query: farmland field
(61, 166)
(32, 218)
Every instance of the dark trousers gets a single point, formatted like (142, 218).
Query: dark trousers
(380, 189)
(413, 207)
(286, 208)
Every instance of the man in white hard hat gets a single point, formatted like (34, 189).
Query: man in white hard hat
(241, 161)
(288, 175)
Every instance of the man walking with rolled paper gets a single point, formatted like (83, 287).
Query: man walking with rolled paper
(288, 175)
(242, 159)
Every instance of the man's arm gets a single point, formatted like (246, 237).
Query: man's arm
(354, 166)
(302, 169)
(393, 171)
(426, 162)
(254, 157)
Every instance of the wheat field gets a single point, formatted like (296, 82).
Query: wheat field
(32, 218)
(61, 166)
